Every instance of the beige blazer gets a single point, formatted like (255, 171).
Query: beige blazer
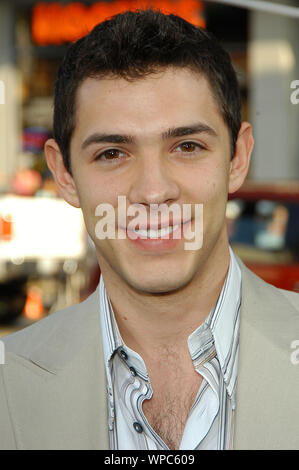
(53, 386)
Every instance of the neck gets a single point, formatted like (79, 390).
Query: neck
(167, 318)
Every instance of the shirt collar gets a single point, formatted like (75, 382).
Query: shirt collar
(219, 332)
(112, 339)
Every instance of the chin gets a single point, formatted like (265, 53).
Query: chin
(161, 284)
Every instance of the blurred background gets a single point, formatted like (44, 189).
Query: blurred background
(47, 260)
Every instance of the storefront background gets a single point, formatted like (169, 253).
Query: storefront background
(264, 51)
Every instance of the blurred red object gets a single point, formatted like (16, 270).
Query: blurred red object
(6, 227)
(26, 182)
(34, 309)
(55, 23)
(283, 276)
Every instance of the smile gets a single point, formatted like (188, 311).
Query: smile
(153, 234)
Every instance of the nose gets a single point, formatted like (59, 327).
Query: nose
(153, 183)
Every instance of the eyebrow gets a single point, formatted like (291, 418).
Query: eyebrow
(130, 139)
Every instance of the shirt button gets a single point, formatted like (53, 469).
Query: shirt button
(133, 371)
(138, 427)
(123, 354)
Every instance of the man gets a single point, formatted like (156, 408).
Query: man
(177, 348)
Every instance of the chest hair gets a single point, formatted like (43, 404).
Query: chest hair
(168, 409)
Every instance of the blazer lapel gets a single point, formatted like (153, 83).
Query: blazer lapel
(267, 398)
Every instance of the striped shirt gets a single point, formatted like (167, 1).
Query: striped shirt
(213, 348)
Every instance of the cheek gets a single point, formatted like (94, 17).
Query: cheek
(211, 189)
(210, 185)
(94, 190)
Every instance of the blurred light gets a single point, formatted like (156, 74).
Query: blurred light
(70, 266)
(17, 260)
(234, 209)
(271, 56)
(43, 228)
(26, 182)
(47, 266)
(55, 23)
(34, 309)
(265, 208)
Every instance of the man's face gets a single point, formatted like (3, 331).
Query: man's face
(152, 168)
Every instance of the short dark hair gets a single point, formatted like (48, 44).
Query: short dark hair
(137, 43)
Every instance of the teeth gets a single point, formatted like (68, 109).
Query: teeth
(157, 233)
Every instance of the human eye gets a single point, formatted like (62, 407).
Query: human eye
(110, 155)
(190, 148)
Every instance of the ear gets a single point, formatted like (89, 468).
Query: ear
(65, 183)
(239, 165)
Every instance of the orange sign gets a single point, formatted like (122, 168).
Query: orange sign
(53, 23)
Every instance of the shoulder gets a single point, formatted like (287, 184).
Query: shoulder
(38, 331)
(262, 297)
(58, 336)
(292, 297)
